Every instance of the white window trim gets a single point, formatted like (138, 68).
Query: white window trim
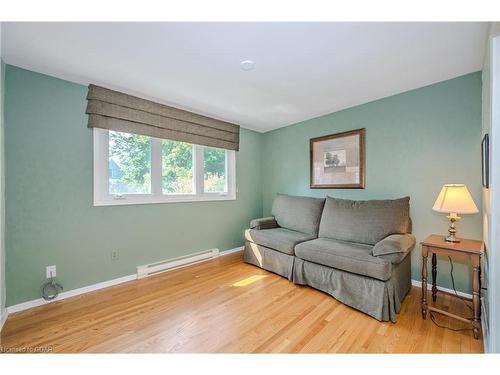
(101, 177)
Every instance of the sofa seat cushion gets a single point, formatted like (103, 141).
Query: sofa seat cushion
(350, 257)
(280, 239)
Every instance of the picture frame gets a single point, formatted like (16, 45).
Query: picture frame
(485, 161)
(337, 161)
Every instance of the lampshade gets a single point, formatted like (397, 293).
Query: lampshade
(455, 198)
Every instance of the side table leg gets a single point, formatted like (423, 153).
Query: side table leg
(476, 297)
(425, 252)
(480, 280)
(434, 277)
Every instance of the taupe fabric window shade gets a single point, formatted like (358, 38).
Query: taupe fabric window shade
(113, 110)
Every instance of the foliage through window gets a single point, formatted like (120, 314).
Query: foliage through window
(214, 178)
(177, 167)
(130, 168)
(129, 163)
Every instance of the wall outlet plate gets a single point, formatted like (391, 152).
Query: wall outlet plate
(115, 255)
(51, 271)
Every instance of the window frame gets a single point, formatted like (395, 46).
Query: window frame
(102, 197)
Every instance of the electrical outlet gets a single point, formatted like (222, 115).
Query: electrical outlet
(51, 271)
(115, 255)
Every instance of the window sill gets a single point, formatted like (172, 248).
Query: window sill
(156, 200)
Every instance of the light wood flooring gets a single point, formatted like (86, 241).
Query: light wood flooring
(227, 306)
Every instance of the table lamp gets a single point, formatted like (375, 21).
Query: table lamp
(454, 199)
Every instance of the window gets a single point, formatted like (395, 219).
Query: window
(137, 169)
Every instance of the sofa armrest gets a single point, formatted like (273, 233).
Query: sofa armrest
(264, 223)
(394, 247)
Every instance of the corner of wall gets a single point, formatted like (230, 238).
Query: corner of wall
(261, 172)
(491, 331)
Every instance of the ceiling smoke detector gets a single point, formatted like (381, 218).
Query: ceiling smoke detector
(247, 64)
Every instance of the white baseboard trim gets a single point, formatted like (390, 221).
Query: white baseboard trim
(70, 293)
(447, 290)
(90, 288)
(231, 251)
(3, 318)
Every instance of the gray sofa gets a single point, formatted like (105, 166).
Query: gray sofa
(356, 251)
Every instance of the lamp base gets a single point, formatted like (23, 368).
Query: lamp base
(452, 230)
(451, 238)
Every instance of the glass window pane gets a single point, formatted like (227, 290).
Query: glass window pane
(177, 167)
(214, 176)
(129, 163)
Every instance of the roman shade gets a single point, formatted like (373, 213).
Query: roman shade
(113, 110)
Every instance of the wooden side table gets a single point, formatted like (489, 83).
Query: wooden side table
(471, 249)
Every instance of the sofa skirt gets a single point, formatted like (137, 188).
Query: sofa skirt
(379, 299)
(269, 259)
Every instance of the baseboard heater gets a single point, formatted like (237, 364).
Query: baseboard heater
(170, 264)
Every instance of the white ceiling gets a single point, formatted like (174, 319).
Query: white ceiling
(302, 70)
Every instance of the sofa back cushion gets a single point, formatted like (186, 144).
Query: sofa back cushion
(364, 221)
(301, 214)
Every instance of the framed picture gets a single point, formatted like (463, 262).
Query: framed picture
(337, 161)
(485, 160)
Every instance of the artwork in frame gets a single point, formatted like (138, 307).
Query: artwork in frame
(337, 161)
(485, 160)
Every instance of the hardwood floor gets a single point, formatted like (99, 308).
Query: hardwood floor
(225, 305)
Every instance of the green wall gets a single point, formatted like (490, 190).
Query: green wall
(50, 218)
(415, 142)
